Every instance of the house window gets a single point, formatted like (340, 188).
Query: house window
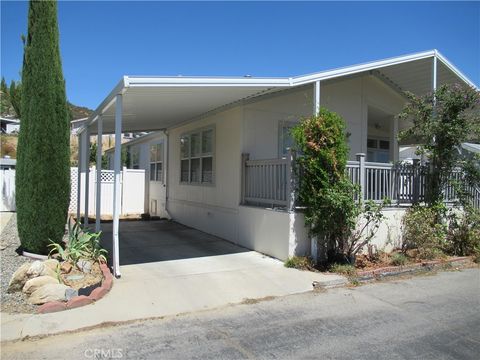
(197, 157)
(156, 162)
(285, 139)
(378, 150)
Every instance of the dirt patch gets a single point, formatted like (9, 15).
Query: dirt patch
(76, 279)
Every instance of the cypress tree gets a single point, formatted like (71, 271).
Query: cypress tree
(43, 172)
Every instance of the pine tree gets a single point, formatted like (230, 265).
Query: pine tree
(4, 101)
(43, 173)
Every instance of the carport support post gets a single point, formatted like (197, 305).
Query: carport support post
(79, 175)
(86, 160)
(116, 183)
(98, 208)
(316, 98)
(316, 112)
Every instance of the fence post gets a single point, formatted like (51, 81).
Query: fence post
(124, 188)
(416, 181)
(361, 175)
(291, 180)
(245, 158)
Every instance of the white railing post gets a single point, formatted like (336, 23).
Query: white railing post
(291, 183)
(245, 158)
(98, 199)
(361, 175)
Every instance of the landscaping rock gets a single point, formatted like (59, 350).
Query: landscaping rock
(11, 261)
(52, 264)
(48, 292)
(19, 278)
(84, 266)
(66, 267)
(70, 293)
(35, 283)
(49, 272)
(35, 269)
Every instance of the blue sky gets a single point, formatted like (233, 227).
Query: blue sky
(101, 41)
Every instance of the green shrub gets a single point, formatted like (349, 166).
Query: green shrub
(463, 236)
(421, 231)
(344, 269)
(324, 189)
(300, 262)
(398, 259)
(43, 166)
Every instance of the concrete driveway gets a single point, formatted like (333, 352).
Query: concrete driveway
(162, 240)
(169, 269)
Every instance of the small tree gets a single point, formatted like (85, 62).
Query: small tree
(442, 121)
(43, 174)
(325, 190)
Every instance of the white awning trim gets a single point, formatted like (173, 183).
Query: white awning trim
(201, 95)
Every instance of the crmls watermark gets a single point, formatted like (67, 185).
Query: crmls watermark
(114, 353)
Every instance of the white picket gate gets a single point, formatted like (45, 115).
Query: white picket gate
(132, 190)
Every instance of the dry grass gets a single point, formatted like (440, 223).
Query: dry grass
(9, 145)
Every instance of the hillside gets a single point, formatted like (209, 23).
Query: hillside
(79, 112)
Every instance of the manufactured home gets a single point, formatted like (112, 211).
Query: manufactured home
(217, 158)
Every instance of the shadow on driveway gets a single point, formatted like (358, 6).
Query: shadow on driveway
(161, 240)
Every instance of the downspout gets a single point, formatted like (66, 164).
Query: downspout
(167, 167)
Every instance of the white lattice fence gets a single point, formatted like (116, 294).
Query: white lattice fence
(131, 182)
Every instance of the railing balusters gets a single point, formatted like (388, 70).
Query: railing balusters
(267, 182)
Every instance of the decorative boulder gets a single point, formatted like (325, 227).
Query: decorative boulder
(70, 293)
(36, 283)
(84, 266)
(52, 264)
(66, 267)
(49, 272)
(19, 278)
(48, 292)
(35, 269)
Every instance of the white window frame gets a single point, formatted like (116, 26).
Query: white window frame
(158, 160)
(201, 156)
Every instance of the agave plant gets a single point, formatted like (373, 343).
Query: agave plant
(80, 245)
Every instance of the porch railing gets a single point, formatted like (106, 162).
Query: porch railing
(271, 182)
(266, 182)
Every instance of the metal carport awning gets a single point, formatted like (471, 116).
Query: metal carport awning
(148, 103)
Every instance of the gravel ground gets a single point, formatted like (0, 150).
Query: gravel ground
(10, 261)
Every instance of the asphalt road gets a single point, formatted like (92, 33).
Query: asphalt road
(425, 317)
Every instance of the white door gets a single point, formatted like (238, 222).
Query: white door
(158, 175)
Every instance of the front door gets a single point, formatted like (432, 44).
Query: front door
(158, 176)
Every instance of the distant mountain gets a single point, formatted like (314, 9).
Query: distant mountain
(79, 112)
(10, 105)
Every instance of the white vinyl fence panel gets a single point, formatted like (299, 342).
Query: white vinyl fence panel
(8, 190)
(132, 182)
